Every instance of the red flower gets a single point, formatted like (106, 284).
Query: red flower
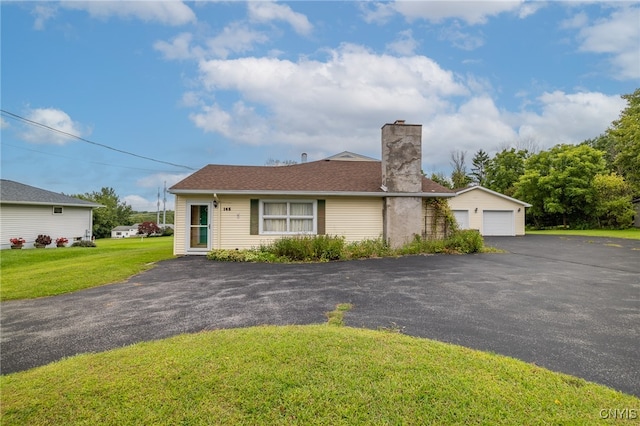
(17, 241)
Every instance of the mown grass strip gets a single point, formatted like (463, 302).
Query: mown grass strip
(307, 375)
(631, 233)
(31, 273)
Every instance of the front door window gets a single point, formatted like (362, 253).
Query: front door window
(199, 226)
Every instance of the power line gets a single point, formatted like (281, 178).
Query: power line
(44, 126)
(4, 144)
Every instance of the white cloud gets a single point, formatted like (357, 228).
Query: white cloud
(42, 12)
(404, 44)
(267, 11)
(618, 36)
(168, 12)
(569, 118)
(331, 103)
(476, 124)
(179, 48)
(140, 204)
(472, 12)
(235, 38)
(479, 124)
(152, 185)
(4, 124)
(461, 39)
(56, 119)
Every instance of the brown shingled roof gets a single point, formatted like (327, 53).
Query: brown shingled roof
(316, 176)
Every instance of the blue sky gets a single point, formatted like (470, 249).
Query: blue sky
(196, 83)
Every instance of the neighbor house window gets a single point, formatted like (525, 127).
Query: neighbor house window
(57, 209)
(288, 217)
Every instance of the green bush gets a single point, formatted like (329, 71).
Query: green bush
(368, 248)
(305, 248)
(324, 248)
(464, 241)
(226, 255)
(84, 243)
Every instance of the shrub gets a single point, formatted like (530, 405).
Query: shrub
(149, 228)
(324, 248)
(83, 243)
(167, 231)
(367, 249)
(305, 248)
(464, 241)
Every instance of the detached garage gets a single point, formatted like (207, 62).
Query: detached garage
(490, 212)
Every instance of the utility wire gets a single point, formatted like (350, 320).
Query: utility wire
(44, 126)
(90, 162)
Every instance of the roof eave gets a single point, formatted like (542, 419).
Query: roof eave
(380, 194)
(43, 203)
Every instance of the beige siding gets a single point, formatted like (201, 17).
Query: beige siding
(482, 200)
(179, 224)
(28, 221)
(352, 217)
(355, 218)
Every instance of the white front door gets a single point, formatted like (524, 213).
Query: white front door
(199, 227)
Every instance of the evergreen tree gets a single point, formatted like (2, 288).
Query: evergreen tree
(480, 164)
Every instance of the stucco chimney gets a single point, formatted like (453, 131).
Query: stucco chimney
(401, 177)
(303, 157)
(402, 157)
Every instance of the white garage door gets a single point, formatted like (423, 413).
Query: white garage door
(462, 217)
(496, 222)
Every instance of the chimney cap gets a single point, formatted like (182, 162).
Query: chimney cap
(400, 122)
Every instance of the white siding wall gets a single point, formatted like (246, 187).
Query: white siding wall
(482, 200)
(28, 221)
(354, 218)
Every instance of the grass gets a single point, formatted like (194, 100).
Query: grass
(631, 233)
(307, 375)
(36, 273)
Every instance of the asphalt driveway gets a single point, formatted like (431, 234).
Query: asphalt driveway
(570, 304)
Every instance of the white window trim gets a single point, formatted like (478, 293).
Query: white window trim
(314, 203)
(53, 210)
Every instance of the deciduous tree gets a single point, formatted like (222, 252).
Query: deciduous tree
(625, 141)
(559, 184)
(504, 170)
(114, 212)
(459, 176)
(613, 205)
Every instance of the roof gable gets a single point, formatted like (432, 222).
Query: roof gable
(19, 193)
(349, 156)
(487, 190)
(325, 176)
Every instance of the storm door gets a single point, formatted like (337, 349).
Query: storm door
(199, 227)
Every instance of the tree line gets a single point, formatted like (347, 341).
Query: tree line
(588, 185)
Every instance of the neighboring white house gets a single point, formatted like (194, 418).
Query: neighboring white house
(125, 231)
(27, 211)
(490, 212)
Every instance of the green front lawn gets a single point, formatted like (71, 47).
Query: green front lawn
(30, 273)
(631, 233)
(305, 375)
